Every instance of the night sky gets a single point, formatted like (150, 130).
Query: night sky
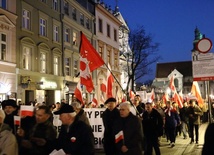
(171, 23)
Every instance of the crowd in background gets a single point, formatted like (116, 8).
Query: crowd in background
(130, 128)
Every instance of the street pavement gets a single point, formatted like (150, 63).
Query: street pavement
(182, 146)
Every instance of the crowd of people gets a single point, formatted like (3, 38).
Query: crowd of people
(129, 127)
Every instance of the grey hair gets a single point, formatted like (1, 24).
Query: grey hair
(125, 104)
(73, 114)
(76, 105)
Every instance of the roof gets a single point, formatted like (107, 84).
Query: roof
(164, 69)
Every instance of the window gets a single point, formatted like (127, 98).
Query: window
(100, 25)
(67, 35)
(81, 19)
(26, 62)
(67, 66)
(75, 38)
(44, 1)
(43, 27)
(3, 46)
(101, 51)
(115, 35)
(55, 5)
(43, 62)
(26, 19)
(74, 13)
(87, 23)
(56, 65)
(115, 59)
(176, 82)
(56, 33)
(108, 30)
(3, 4)
(109, 56)
(66, 7)
(75, 68)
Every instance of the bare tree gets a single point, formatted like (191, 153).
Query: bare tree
(141, 54)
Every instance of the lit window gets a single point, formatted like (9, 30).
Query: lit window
(3, 46)
(56, 65)
(75, 38)
(26, 19)
(67, 66)
(43, 27)
(101, 51)
(27, 58)
(43, 62)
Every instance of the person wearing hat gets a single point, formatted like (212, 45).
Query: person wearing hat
(108, 117)
(8, 143)
(75, 137)
(10, 108)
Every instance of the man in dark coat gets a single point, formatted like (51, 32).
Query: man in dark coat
(153, 128)
(109, 116)
(75, 137)
(128, 132)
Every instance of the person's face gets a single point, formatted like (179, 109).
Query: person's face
(148, 108)
(124, 111)
(111, 105)
(192, 104)
(9, 110)
(64, 117)
(41, 116)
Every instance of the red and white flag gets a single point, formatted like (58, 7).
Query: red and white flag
(197, 93)
(78, 92)
(131, 95)
(171, 84)
(94, 101)
(119, 136)
(165, 97)
(110, 81)
(89, 61)
(26, 110)
(103, 86)
(17, 120)
(177, 99)
(152, 95)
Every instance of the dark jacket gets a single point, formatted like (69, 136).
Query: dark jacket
(77, 140)
(109, 118)
(172, 120)
(208, 140)
(183, 114)
(152, 123)
(133, 134)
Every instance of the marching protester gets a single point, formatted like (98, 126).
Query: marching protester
(184, 120)
(153, 128)
(194, 112)
(80, 112)
(8, 144)
(171, 122)
(75, 137)
(128, 132)
(41, 136)
(109, 116)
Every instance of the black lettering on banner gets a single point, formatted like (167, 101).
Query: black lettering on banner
(98, 140)
(96, 128)
(96, 113)
(89, 114)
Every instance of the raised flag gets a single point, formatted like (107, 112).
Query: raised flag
(165, 97)
(78, 92)
(152, 95)
(110, 81)
(103, 86)
(89, 61)
(131, 95)
(94, 101)
(197, 93)
(119, 136)
(26, 110)
(17, 120)
(171, 84)
(177, 99)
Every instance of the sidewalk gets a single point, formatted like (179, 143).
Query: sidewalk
(182, 146)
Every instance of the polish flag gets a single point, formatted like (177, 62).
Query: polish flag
(78, 92)
(152, 95)
(171, 84)
(110, 81)
(131, 95)
(26, 110)
(197, 93)
(119, 136)
(177, 99)
(103, 86)
(17, 120)
(165, 98)
(89, 61)
(94, 101)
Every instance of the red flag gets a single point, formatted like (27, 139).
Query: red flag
(103, 86)
(171, 84)
(78, 92)
(197, 93)
(110, 81)
(89, 61)
(17, 120)
(26, 110)
(119, 136)
(152, 95)
(177, 99)
(94, 101)
(165, 97)
(131, 95)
